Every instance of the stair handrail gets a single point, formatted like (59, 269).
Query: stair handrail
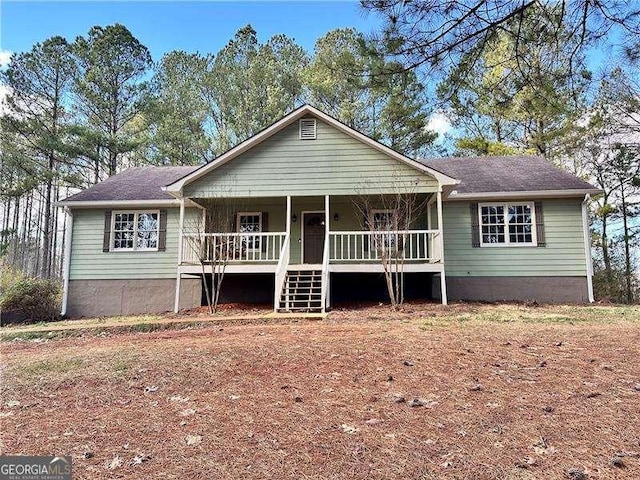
(325, 273)
(281, 272)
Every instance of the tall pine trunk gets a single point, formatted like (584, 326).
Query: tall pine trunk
(46, 227)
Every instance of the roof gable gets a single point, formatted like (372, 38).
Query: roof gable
(290, 120)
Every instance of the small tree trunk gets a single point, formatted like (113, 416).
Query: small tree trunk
(218, 286)
(207, 292)
(388, 276)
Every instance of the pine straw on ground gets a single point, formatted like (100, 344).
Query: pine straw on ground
(317, 399)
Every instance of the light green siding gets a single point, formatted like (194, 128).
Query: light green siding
(88, 261)
(334, 164)
(563, 256)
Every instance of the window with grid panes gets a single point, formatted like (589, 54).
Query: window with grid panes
(384, 221)
(135, 230)
(250, 222)
(507, 224)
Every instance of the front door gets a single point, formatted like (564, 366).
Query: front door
(313, 241)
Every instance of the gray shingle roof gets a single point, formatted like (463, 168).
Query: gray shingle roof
(143, 183)
(477, 175)
(506, 174)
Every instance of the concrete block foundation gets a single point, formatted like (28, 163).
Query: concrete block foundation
(101, 298)
(519, 289)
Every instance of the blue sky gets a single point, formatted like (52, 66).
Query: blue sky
(203, 26)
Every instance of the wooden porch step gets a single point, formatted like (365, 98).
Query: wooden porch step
(302, 290)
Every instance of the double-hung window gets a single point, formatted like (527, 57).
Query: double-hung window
(507, 224)
(250, 222)
(135, 230)
(384, 221)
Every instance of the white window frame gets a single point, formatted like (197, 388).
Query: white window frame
(394, 218)
(390, 241)
(135, 248)
(247, 214)
(505, 211)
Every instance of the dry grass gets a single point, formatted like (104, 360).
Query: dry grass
(509, 392)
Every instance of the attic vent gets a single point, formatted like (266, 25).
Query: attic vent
(308, 129)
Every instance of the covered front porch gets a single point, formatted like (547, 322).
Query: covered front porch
(302, 240)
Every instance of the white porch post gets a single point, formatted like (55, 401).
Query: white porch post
(176, 304)
(443, 280)
(429, 227)
(180, 231)
(327, 219)
(288, 239)
(326, 216)
(288, 221)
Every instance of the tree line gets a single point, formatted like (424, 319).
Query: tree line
(512, 77)
(78, 112)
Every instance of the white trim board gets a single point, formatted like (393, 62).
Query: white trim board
(118, 204)
(377, 267)
(453, 196)
(241, 268)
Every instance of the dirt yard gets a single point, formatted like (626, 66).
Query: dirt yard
(465, 392)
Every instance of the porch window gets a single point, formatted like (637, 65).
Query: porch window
(250, 222)
(136, 230)
(384, 221)
(507, 224)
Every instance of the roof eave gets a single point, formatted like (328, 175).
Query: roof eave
(118, 203)
(565, 193)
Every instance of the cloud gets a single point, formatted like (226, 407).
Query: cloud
(5, 57)
(439, 123)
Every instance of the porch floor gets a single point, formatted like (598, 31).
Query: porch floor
(434, 267)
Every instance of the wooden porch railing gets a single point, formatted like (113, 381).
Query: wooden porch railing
(232, 247)
(281, 272)
(342, 246)
(370, 246)
(325, 274)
